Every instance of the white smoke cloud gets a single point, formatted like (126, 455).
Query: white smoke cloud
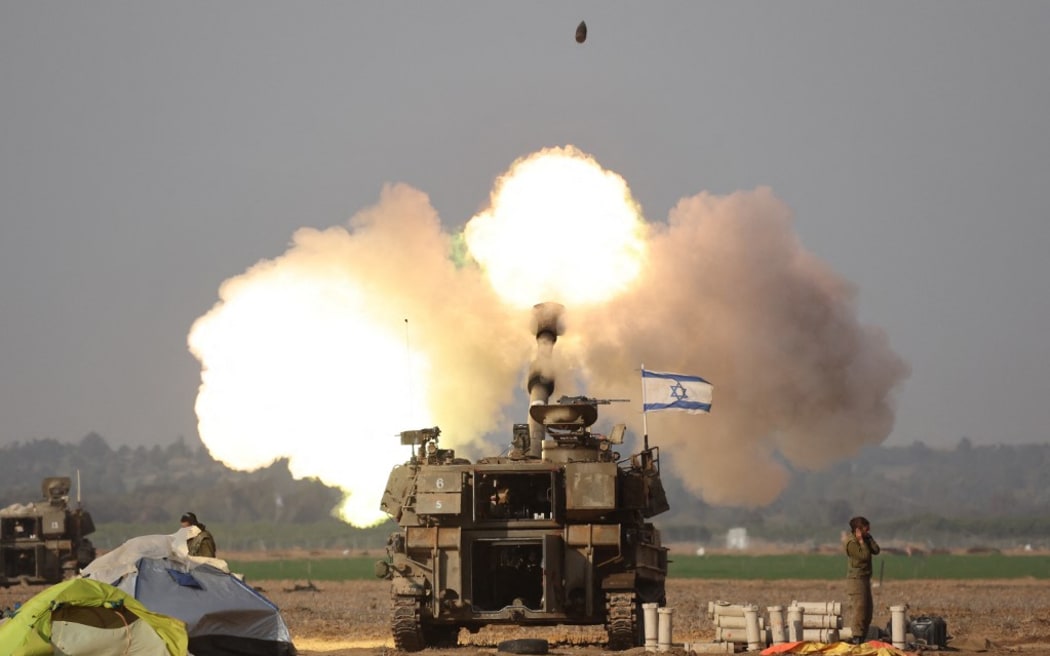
(308, 356)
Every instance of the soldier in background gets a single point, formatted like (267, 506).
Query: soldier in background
(860, 547)
(202, 544)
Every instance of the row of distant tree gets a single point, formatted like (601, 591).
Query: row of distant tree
(158, 484)
(915, 493)
(963, 496)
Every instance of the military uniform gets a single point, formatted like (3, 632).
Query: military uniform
(858, 583)
(202, 544)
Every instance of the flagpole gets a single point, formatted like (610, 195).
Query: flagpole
(645, 423)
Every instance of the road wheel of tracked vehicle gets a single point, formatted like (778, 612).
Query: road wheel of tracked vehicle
(624, 620)
(524, 646)
(407, 626)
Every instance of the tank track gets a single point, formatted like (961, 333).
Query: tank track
(624, 624)
(407, 625)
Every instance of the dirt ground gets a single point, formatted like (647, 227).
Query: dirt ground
(352, 618)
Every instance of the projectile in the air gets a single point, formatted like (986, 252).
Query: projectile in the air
(581, 32)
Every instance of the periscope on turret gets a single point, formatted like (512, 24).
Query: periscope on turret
(554, 532)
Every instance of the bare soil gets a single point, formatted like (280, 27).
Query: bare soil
(352, 618)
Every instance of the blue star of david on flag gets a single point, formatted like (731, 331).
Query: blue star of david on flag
(665, 391)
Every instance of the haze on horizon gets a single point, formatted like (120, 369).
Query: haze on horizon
(151, 152)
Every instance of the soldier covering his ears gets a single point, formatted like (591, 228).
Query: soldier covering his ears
(860, 547)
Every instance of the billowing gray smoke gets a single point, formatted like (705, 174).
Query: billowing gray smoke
(730, 294)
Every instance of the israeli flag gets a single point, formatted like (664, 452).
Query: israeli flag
(663, 391)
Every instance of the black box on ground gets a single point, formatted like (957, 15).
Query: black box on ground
(930, 630)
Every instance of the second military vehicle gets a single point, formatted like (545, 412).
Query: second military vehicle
(45, 541)
(556, 532)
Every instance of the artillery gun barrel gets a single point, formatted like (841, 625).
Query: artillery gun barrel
(540, 385)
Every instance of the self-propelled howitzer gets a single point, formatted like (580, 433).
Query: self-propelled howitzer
(554, 535)
(45, 541)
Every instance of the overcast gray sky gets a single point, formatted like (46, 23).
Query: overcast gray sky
(149, 151)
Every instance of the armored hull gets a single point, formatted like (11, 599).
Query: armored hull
(550, 535)
(45, 541)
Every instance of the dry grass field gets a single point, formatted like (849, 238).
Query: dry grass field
(352, 618)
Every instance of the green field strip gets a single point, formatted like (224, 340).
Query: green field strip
(766, 568)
